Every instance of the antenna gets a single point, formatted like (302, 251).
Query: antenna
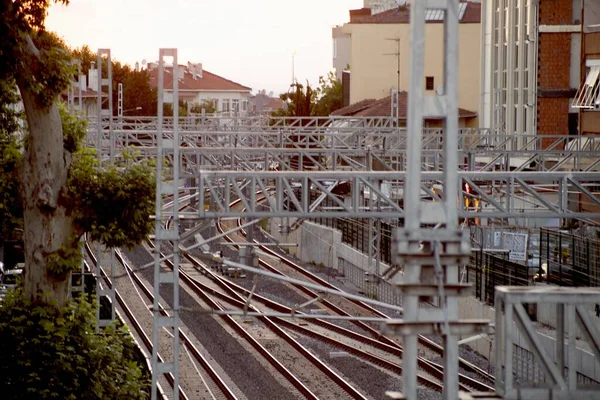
(293, 67)
(397, 54)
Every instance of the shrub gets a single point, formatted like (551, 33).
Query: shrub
(51, 353)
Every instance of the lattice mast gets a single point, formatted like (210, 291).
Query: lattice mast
(431, 256)
(168, 148)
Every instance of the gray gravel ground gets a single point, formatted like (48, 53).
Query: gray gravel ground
(330, 275)
(218, 342)
(366, 376)
(250, 376)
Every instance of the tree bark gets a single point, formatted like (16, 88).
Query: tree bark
(43, 172)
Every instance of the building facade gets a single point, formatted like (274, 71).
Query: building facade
(380, 48)
(197, 85)
(532, 66)
(587, 99)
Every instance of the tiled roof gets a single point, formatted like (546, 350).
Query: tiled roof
(273, 104)
(85, 94)
(383, 108)
(469, 13)
(208, 81)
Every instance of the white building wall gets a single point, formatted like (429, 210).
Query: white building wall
(509, 59)
(200, 96)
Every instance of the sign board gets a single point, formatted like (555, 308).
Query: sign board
(517, 244)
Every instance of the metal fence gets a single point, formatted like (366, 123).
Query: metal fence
(355, 232)
(528, 371)
(566, 259)
(486, 271)
(379, 290)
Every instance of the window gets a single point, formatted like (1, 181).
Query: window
(235, 105)
(216, 103)
(334, 47)
(587, 95)
(244, 105)
(225, 105)
(429, 82)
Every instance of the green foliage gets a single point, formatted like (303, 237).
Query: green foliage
(137, 91)
(300, 102)
(65, 260)
(307, 102)
(52, 353)
(207, 105)
(74, 129)
(11, 211)
(329, 95)
(112, 204)
(168, 109)
(54, 72)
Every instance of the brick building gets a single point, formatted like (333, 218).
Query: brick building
(532, 65)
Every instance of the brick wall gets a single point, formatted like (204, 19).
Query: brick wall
(554, 54)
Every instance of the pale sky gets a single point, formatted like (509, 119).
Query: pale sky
(250, 42)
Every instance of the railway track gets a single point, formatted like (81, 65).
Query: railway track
(466, 383)
(236, 296)
(289, 372)
(212, 385)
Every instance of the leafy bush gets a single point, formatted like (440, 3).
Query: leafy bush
(50, 353)
(113, 204)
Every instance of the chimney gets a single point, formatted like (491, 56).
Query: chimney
(137, 66)
(356, 14)
(180, 71)
(82, 83)
(346, 88)
(195, 69)
(93, 77)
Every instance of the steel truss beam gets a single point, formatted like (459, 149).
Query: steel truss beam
(502, 194)
(572, 305)
(478, 149)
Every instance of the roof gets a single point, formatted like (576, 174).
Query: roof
(85, 94)
(469, 13)
(383, 108)
(273, 103)
(208, 81)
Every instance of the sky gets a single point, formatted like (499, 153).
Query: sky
(249, 42)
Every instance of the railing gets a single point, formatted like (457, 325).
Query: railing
(566, 259)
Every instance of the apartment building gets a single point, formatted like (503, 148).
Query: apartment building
(539, 69)
(376, 47)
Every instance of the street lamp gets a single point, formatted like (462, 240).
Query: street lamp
(133, 109)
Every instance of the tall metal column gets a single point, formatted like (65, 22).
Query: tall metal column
(431, 256)
(165, 148)
(104, 112)
(106, 260)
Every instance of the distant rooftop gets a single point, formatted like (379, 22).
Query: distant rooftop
(468, 12)
(200, 81)
(383, 108)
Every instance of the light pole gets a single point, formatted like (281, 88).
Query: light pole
(132, 109)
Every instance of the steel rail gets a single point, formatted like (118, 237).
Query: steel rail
(136, 325)
(253, 342)
(431, 368)
(375, 333)
(426, 342)
(240, 302)
(226, 391)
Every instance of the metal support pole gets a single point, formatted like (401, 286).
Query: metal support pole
(432, 256)
(166, 147)
(101, 111)
(106, 260)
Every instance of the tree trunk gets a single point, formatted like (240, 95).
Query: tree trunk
(47, 225)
